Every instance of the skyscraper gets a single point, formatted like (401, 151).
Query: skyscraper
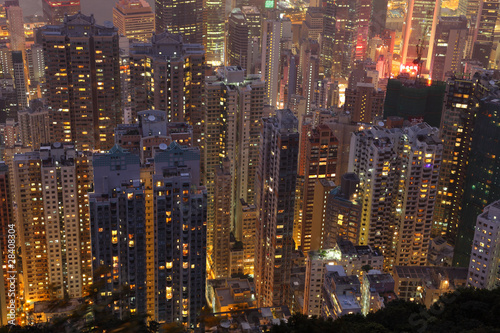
(183, 17)
(168, 74)
(134, 19)
(53, 225)
(482, 35)
(245, 219)
(20, 80)
(449, 46)
(419, 31)
(243, 35)
(482, 176)
(214, 20)
(233, 107)
(328, 34)
(275, 31)
(54, 11)
(398, 172)
(148, 230)
(83, 81)
(16, 28)
(222, 224)
(362, 28)
(320, 157)
(344, 38)
(275, 191)
(460, 110)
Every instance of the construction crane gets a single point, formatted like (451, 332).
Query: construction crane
(419, 62)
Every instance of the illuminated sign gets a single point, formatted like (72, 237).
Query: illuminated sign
(411, 69)
(269, 4)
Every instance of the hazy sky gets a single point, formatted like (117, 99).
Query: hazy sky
(102, 9)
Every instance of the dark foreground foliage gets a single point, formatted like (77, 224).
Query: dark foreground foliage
(466, 310)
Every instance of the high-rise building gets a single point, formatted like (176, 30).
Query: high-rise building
(482, 183)
(34, 124)
(214, 20)
(52, 221)
(168, 74)
(419, 31)
(485, 253)
(320, 162)
(244, 229)
(275, 32)
(328, 34)
(364, 102)
(315, 275)
(344, 38)
(36, 63)
(322, 189)
(460, 110)
(243, 35)
(15, 24)
(82, 62)
(222, 222)
(134, 19)
(275, 191)
(398, 171)
(20, 80)
(362, 28)
(449, 46)
(148, 231)
(233, 107)
(312, 26)
(183, 17)
(483, 46)
(343, 213)
(54, 11)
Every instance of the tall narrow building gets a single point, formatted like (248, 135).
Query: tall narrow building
(53, 225)
(482, 183)
(54, 11)
(222, 223)
(214, 20)
(82, 61)
(183, 17)
(134, 19)
(15, 24)
(483, 46)
(20, 80)
(320, 157)
(275, 31)
(275, 189)
(460, 110)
